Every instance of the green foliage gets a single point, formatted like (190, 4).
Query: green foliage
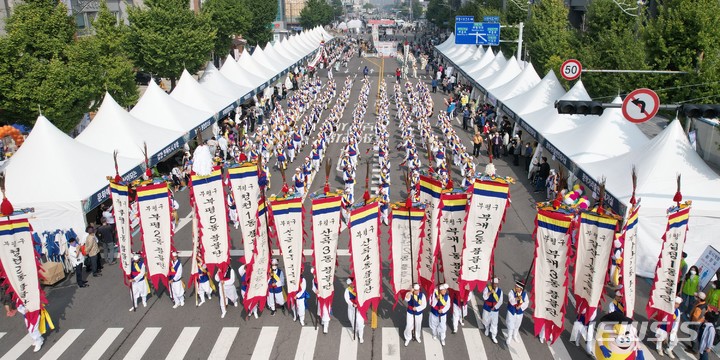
(262, 14)
(338, 8)
(439, 13)
(368, 6)
(417, 9)
(166, 36)
(548, 33)
(316, 12)
(229, 18)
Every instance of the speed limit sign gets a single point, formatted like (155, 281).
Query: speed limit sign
(571, 69)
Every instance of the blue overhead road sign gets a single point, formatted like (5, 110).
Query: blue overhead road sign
(477, 33)
(491, 19)
(464, 19)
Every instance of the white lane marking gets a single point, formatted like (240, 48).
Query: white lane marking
(348, 346)
(102, 344)
(221, 349)
(517, 348)
(61, 345)
(433, 349)
(646, 352)
(2, 334)
(390, 343)
(182, 344)
(264, 345)
(559, 351)
(19, 348)
(142, 344)
(306, 345)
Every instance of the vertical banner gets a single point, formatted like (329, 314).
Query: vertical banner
(629, 263)
(407, 227)
(121, 212)
(365, 255)
(594, 246)
(155, 231)
(550, 279)
(452, 221)
(19, 264)
(430, 190)
(208, 199)
(485, 216)
(259, 268)
(325, 232)
(287, 217)
(667, 271)
(246, 191)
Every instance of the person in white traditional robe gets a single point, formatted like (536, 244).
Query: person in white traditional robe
(301, 302)
(668, 331)
(176, 285)
(459, 310)
(276, 282)
(227, 281)
(581, 330)
(243, 289)
(140, 287)
(323, 310)
(33, 329)
(205, 287)
(416, 303)
(518, 302)
(356, 319)
(492, 297)
(439, 306)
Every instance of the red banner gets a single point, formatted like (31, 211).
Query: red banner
(365, 256)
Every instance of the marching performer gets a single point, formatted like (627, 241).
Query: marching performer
(349, 178)
(243, 289)
(301, 302)
(275, 296)
(668, 331)
(232, 210)
(140, 286)
(176, 286)
(492, 296)
(227, 281)
(617, 303)
(324, 310)
(33, 329)
(205, 285)
(416, 303)
(616, 259)
(517, 303)
(581, 330)
(356, 319)
(299, 180)
(439, 307)
(459, 310)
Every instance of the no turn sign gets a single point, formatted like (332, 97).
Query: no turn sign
(640, 105)
(571, 69)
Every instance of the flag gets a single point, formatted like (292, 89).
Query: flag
(246, 191)
(259, 268)
(121, 212)
(407, 227)
(287, 218)
(629, 262)
(485, 216)
(452, 222)
(667, 272)
(430, 190)
(365, 255)
(594, 247)
(154, 206)
(207, 196)
(326, 231)
(550, 279)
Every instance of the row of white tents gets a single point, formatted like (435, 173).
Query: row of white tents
(606, 146)
(63, 178)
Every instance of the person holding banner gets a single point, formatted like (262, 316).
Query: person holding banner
(33, 329)
(668, 331)
(243, 289)
(299, 180)
(492, 296)
(439, 307)
(324, 310)
(176, 286)
(459, 309)
(301, 302)
(229, 292)
(580, 329)
(276, 282)
(416, 303)
(140, 286)
(205, 285)
(356, 319)
(617, 303)
(517, 303)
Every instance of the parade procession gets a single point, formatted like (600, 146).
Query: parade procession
(347, 211)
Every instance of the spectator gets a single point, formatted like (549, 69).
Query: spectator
(434, 85)
(106, 233)
(506, 142)
(466, 117)
(707, 336)
(697, 316)
(76, 260)
(93, 251)
(543, 174)
(713, 297)
(365, 71)
(690, 288)
(397, 74)
(527, 154)
(477, 143)
(516, 149)
(107, 214)
(6, 298)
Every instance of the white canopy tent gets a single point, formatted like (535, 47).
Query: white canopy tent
(249, 64)
(510, 70)
(468, 53)
(296, 53)
(547, 120)
(275, 56)
(447, 44)
(491, 69)
(260, 58)
(354, 24)
(280, 49)
(342, 26)
(527, 79)
(212, 80)
(543, 94)
(231, 70)
(484, 61)
(476, 56)
(157, 108)
(188, 91)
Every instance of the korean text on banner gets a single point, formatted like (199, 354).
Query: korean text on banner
(594, 245)
(209, 202)
(326, 231)
(430, 190)
(259, 268)
(365, 255)
(121, 212)
(19, 263)
(246, 191)
(287, 217)
(629, 261)
(452, 219)
(155, 229)
(407, 227)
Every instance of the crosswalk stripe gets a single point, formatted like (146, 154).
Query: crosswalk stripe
(391, 343)
(646, 352)
(62, 344)
(221, 349)
(682, 354)
(2, 334)
(473, 341)
(306, 345)
(182, 344)
(348, 346)
(18, 349)
(142, 344)
(559, 351)
(102, 344)
(517, 348)
(433, 349)
(264, 345)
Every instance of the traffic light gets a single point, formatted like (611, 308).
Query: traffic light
(579, 107)
(700, 110)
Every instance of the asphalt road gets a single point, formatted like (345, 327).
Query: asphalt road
(94, 322)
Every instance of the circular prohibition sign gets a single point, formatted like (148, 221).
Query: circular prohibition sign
(571, 69)
(640, 105)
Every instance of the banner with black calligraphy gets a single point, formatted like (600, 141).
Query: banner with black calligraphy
(207, 196)
(259, 268)
(661, 303)
(407, 227)
(594, 246)
(121, 212)
(245, 189)
(550, 279)
(628, 264)
(365, 255)
(485, 216)
(430, 190)
(155, 230)
(287, 217)
(326, 231)
(19, 265)
(452, 222)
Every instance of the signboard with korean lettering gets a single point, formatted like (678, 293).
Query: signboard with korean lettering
(121, 212)
(451, 224)
(708, 263)
(430, 196)
(258, 269)
(207, 195)
(485, 216)
(287, 218)
(550, 278)
(155, 229)
(326, 231)
(365, 255)
(19, 264)
(628, 266)
(246, 191)
(667, 272)
(594, 246)
(407, 227)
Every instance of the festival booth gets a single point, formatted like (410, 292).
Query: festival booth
(545, 93)
(523, 82)
(509, 71)
(547, 121)
(274, 52)
(472, 59)
(293, 52)
(261, 59)
(235, 73)
(213, 81)
(248, 63)
(461, 57)
(448, 44)
(498, 61)
(158, 108)
(190, 92)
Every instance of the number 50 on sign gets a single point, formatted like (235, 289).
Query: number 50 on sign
(571, 69)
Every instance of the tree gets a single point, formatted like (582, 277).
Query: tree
(263, 13)
(229, 18)
(166, 37)
(548, 34)
(316, 12)
(439, 14)
(368, 6)
(417, 9)
(338, 8)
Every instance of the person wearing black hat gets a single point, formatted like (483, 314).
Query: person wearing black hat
(517, 303)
